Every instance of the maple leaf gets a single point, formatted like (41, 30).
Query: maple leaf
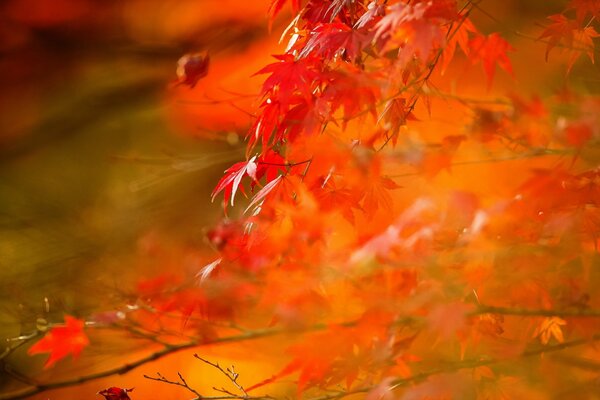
(441, 159)
(399, 14)
(290, 75)
(277, 5)
(333, 39)
(191, 68)
(583, 38)
(375, 9)
(307, 117)
(583, 8)
(270, 165)
(353, 91)
(414, 29)
(566, 32)
(266, 125)
(377, 195)
(262, 194)
(115, 393)
(490, 50)
(460, 38)
(394, 115)
(334, 198)
(550, 328)
(561, 29)
(317, 11)
(230, 182)
(442, 9)
(337, 6)
(61, 341)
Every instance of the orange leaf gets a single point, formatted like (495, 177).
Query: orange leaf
(550, 328)
(62, 341)
(490, 50)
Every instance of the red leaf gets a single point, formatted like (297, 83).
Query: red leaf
(270, 164)
(460, 37)
(191, 68)
(490, 50)
(61, 341)
(583, 8)
(352, 90)
(277, 5)
(232, 179)
(115, 393)
(266, 125)
(290, 76)
(399, 14)
(262, 193)
(330, 40)
(394, 115)
(560, 30)
(374, 10)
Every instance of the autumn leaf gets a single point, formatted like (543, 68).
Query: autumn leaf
(270, 165)
(375, 9)
(115, 393)
(262, 194)
(560, 30)
(491, 51)
(394, 115)
(265, 129)
(334, 39)
(230, 182)
(441, 158)
(460, 37)
(61, 341)
(191, 68)
(585, 9)
(550, 328)
(288, 76)
(353, 91)
(397, 15)
(584, 39)
(277, 5)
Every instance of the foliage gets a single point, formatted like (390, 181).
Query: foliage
(392, 256)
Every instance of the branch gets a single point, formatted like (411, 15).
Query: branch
(467, 364)
(165, 351)
(588, 313)
(229, 373)
(120, 370)
(182, 382)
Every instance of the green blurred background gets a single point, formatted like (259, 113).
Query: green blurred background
(92, 161)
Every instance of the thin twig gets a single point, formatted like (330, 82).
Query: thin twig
(229, 373)
(182, 382)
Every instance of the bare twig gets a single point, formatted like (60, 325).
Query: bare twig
(182, 382)
(229, 373)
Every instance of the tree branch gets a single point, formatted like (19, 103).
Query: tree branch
(525, 312)
(166, 350)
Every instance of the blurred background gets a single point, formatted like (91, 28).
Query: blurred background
(104, 158)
